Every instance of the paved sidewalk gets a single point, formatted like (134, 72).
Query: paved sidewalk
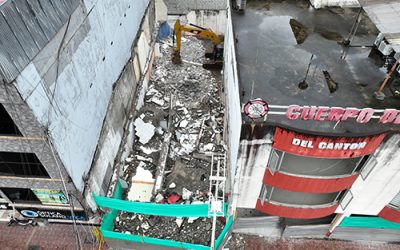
(49, 237)
(249, 242)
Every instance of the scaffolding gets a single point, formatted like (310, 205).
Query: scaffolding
(217, 190)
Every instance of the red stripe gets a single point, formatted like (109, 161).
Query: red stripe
(283, 140)
(295, 212)
(391, 214)
(308, 184)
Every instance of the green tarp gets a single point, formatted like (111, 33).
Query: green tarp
(156, 209)
(107, 231)
(369, 222)
(195, 210)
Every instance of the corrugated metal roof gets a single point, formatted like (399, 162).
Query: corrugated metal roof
(26, 27)
(386, 16)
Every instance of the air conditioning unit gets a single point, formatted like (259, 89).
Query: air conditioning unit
(378, 39)
(385, 48)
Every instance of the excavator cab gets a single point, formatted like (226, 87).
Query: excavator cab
(216, 55)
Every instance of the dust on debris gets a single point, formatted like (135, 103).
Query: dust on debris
(183, 101)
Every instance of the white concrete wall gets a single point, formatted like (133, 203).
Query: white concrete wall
(252, 163)
(342, 3)
(381, 185)
(248, 158)
(161, 11)
(233, 118)
(210, 19)
(95, 49)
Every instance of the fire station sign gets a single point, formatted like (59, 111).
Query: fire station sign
(259, 108)
(339, 114)
(325, 147)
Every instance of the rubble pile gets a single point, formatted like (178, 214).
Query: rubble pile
(195, 231)
(178, 126)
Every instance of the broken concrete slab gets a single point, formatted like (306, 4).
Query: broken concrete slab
(179, 221)
(186, 194)
(141, 185)
(148, 151)
(144, 131)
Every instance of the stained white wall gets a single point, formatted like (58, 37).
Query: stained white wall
(248, 158)
(161, 11)
(371, 195)
(252, 162)
(232, 106)
(96, 47)
(210, 19)
(233, 120)
(342, 3)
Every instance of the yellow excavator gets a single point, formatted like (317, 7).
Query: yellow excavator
(201, 33)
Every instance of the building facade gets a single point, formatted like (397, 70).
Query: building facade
(318, 147)
(69, 71)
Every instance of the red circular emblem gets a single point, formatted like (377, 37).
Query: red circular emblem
(256, 108)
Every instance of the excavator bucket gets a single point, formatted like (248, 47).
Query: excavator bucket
(213, 66)
(176, 57)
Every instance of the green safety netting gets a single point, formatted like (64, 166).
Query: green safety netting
(369, 222)
(195, 210)
(107, 231)
(172, 210)
(221, 237)
(162, 210)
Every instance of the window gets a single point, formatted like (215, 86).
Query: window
(368, 167)
(346, 200)
(321, 167)
(21, 164)
(20, 195)
(265, 194)
(275, 160)
(361, 163)
(7, 125)
(396, 201)
(299, 198)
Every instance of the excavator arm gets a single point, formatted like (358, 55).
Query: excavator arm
(198, 31)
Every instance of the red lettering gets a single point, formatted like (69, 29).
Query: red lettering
(350, 113)
(365, 115)
(308, 113)
(321, 113)
(397, 121)
(292, 112)
(335, 114)
(388, 116)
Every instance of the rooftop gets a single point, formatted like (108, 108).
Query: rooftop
(282, 43)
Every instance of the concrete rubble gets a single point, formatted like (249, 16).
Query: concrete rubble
(169, 228)
(144, 131)
(183, 102)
